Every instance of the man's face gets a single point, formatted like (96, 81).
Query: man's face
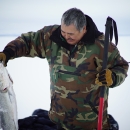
(71, 34)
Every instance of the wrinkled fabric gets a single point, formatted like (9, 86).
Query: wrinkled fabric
(113, 123)
(8, 105)
(39, 120)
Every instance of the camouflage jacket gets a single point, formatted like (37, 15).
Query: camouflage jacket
(74, 95)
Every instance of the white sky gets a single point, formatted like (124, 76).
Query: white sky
(34, 14)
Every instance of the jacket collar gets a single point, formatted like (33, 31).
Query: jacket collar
(89, 38)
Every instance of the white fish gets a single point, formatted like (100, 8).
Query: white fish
(8, 104)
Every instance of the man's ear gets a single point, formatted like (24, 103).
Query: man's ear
(84, 29)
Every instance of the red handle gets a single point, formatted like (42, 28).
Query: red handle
(100, 114)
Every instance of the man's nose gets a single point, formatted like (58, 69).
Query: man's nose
(66, 36)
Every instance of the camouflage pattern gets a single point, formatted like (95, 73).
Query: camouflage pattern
(72, 75)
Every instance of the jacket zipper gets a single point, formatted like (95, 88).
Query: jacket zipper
(71, 54)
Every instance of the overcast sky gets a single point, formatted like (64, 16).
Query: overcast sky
(18, 16)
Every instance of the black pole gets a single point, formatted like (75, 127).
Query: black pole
(105, 53)
(104, 66)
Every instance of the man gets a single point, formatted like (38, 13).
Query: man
(74, 52)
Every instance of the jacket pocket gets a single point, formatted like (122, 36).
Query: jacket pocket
(70, 73)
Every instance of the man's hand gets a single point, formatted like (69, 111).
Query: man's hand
(104, 78)
(3, 58)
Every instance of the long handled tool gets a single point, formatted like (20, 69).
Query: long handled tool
(110, 23)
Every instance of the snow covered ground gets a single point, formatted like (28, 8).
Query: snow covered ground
(31, 85)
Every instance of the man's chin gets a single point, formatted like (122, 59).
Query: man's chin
(71, 43)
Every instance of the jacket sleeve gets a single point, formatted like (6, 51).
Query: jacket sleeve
(118, 65)
(29, 44)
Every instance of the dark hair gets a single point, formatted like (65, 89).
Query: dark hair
(74, 16)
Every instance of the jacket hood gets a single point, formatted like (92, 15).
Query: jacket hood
(92, 31)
